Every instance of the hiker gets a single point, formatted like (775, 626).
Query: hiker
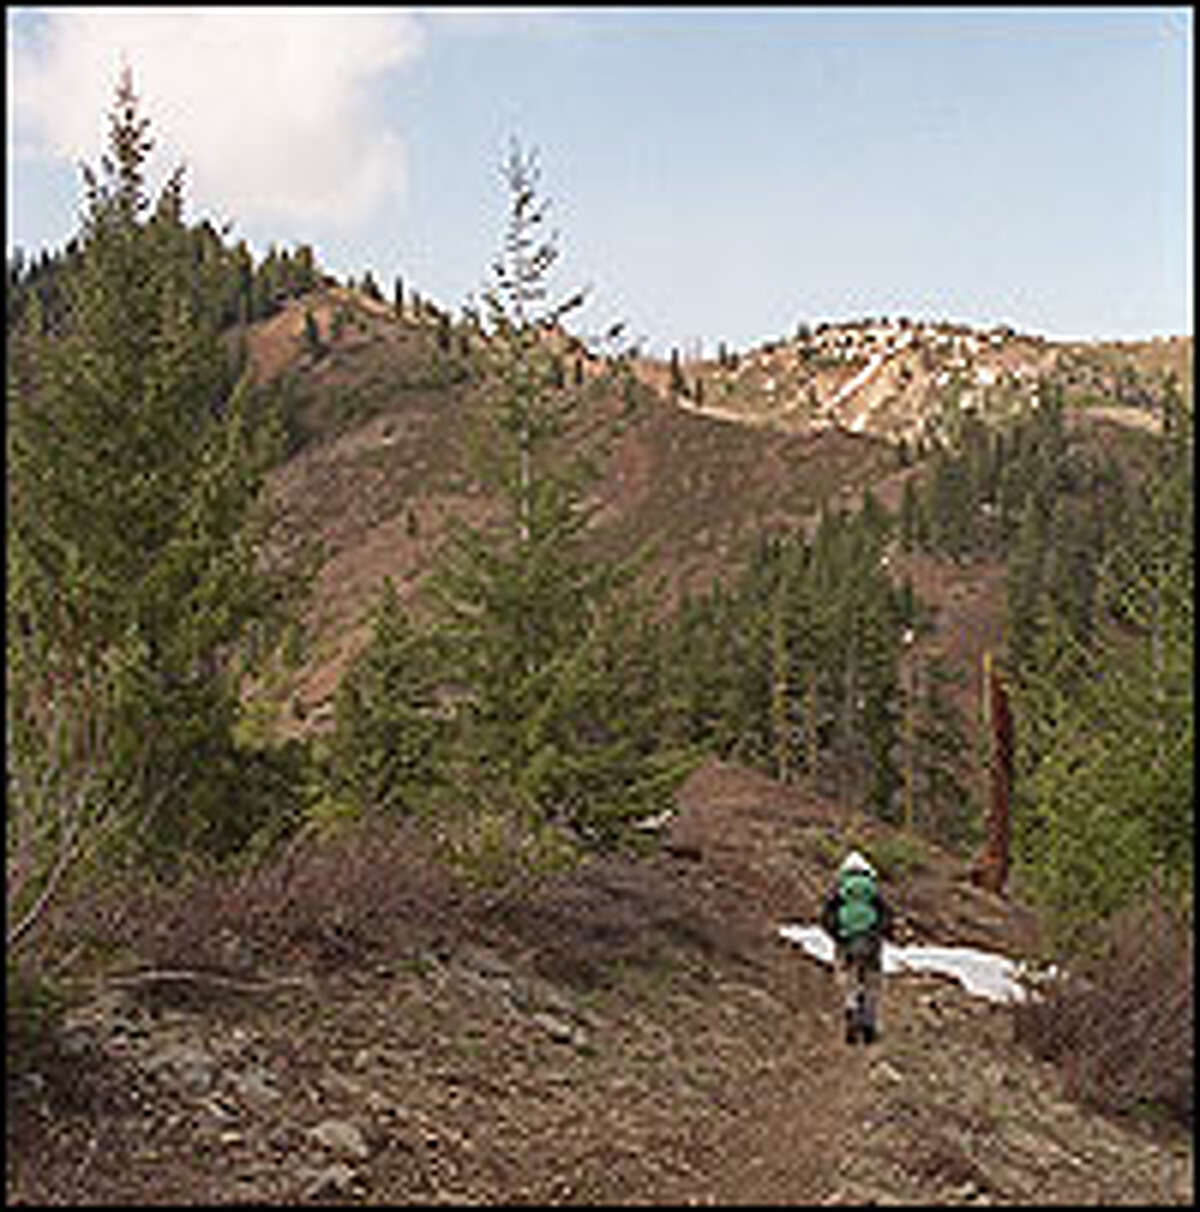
(858, 919)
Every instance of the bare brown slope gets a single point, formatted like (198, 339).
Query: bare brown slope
(379, 490)
(378, 494)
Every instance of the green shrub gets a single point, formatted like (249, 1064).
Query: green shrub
(899, 856)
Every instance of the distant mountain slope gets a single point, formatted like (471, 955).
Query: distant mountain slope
(381, 410)
(900, 379)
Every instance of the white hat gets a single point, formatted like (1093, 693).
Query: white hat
(855, 862)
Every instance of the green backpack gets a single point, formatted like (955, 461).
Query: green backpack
(857, 914)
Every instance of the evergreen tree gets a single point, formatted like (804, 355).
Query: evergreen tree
(941, 757)
(1104, 808)
(243, 274)
(312, 334)
(951, 511)
(702, 688)
(1025, 585)
(305, 270)
(878, 687)
(135, 527)
(908, 516)
(390, 734)
(553, 648)
(1073, 554)
(757, 640)
(370, 287)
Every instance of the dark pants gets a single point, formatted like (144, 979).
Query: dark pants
(859, 969)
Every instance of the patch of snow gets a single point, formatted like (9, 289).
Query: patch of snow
(981, 973)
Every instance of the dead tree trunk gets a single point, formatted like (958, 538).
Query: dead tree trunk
(990, 869)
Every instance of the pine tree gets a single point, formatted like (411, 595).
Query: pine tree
(908, 516)
(135, 525)
(878, 682)
(370, 287)
(950, 507)
(390, 733)
(1105, 804)
(305, 267)
(552, 646)
(941, 756)
(1025, 585)
(312, 334)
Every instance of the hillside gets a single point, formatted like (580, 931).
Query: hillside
(634, 1032)
(348, 1024)
(907, 380)
(385, 412)
(497, 914)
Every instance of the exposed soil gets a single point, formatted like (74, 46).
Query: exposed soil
(634, 1031)
(378, 492)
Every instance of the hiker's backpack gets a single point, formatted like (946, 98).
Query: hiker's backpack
(857, 914)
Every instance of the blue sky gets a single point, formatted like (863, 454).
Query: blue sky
(715, 174)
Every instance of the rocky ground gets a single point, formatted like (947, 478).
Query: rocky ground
(636, 1033)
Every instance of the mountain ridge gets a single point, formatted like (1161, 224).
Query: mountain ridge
(383, 467)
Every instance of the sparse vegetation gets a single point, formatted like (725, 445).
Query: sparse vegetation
(585, 593)
(899, 857)
(312, 335)
(1122, 1026)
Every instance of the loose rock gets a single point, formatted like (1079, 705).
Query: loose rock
(341, 1136)
(191, 1064)
(559, 1029)
(337, 1179)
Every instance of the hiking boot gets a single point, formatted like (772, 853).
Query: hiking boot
(851, 1027)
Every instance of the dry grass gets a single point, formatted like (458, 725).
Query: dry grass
(323, 902)
(1122, 1030)
(385, 887)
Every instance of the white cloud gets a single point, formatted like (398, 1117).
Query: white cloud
(269, 108)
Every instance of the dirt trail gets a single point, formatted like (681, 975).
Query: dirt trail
(633, 1032)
